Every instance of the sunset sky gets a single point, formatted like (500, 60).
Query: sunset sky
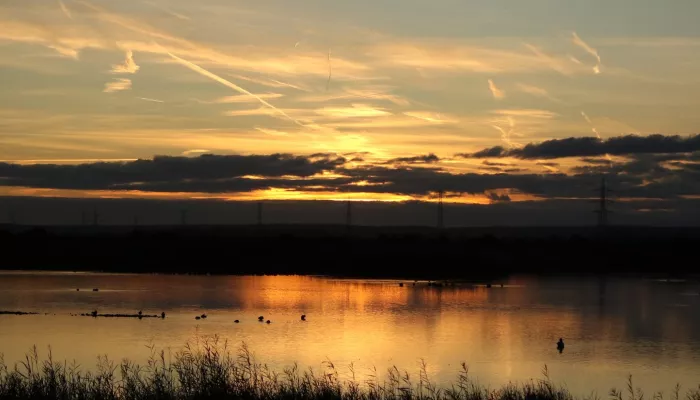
(489, 101)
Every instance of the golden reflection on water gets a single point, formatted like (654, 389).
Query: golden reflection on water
(503, 333)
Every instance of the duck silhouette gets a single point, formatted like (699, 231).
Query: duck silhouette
(560, 345)
(261, 318)
(268, 322)
(303, 317)
(236, 321)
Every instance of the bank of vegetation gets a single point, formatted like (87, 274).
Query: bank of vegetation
(210, 371)
(362, 252)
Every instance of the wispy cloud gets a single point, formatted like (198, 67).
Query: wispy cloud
(590, 122)
(458, 55)
(652, 41)
(392, 122)
(151, 100)
(263, 60)
(549, 166)
(594, 130)
(430, 117)
(497, 93)
(563, 66)
(65, 9)
(355, 111)
(298, 113)
(575, 60)
(590, 50)
(251, 112)
(65, 51)
(536, 91)
(169, 11)
(217, 78)
(269, 82)
(117, 85)
(526, 112)
(128, 66)
(358, 93)
(247, 99)
(507, 133)
(271, 132)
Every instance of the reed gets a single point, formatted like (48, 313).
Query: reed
(208, 369)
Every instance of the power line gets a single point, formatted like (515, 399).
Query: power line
(183, 217)
(603, 201)
(348, 215)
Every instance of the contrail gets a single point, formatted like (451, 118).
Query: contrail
(65, 9)
(593, 128)
(330, 70)
(590, 50)
(217, 78)
(506, 135)
(585, 116)
(168, 11)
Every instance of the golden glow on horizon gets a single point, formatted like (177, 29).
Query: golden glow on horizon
(271, 194)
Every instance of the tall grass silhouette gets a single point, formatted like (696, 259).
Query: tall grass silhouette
(209, 370)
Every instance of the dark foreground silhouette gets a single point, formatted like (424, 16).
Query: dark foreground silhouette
(213, 373)
(358, 252)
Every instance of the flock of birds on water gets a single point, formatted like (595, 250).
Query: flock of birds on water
(141, 315)
(260, 318)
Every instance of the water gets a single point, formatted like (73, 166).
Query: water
(612, 327)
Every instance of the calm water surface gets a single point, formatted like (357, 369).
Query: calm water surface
(612, 327)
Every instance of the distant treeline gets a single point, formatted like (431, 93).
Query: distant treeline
(426, 254)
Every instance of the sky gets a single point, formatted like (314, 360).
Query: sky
(490, 102)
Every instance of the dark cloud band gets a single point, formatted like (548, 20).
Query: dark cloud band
(592, 147)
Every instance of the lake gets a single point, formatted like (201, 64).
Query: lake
(612, 327)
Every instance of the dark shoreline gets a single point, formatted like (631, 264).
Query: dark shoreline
(469, 254)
